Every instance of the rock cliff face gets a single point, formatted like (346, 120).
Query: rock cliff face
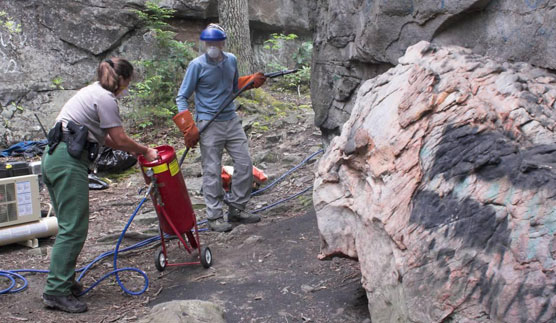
(443, 185)
(356, 40)
(61, 42)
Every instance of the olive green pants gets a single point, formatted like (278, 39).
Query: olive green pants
(68, 186)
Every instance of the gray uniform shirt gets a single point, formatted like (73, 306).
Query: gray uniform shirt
(93, 107)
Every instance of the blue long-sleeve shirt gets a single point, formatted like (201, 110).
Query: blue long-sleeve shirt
(212, 82)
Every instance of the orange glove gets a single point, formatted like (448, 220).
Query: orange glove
(187, 126)
(257, 78)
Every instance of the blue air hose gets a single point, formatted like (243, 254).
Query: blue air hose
(12, 275)
(282, 200)
(83, 271)
(276, 181)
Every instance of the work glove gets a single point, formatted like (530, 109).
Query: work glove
(184, 121)
(257, 78)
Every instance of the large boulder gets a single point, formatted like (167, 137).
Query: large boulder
(356, 40)
(185, 311)
(443, 185)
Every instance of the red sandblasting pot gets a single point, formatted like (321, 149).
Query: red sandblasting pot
(174, 198)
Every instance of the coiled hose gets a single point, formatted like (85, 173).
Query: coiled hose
(13, 275)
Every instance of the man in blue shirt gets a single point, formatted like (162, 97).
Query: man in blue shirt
(213, 77)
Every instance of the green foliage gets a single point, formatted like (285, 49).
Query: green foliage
(275, 41)
(152, 99)
(7, 23)
(57, 83)
(120, 176)
(269, 110)
(261, 101)
(154, 16)
(10, 110)
(260, 127)
(305, 200)
(16, 107)
(303, 55)
(299, 81)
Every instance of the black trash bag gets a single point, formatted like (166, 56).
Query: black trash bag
(33, 151)
(96, 183)
(114, 161)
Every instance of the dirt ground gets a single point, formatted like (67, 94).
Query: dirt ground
(264, 272)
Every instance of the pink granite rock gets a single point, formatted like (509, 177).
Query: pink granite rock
(443, 185)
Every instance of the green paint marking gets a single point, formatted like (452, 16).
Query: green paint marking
(509, 196)
(493, 191)
(550, 222)
(461, 188)
(424, 153)
(534, 207)
(532, 247)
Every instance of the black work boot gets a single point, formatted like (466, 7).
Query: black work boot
(66, 303)
(76, 288)
(236, 215)
(219, 226)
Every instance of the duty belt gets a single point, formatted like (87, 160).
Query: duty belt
(90, 146)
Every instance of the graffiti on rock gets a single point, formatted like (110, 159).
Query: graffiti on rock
(10, 42)
(492, 155)
(510, 172)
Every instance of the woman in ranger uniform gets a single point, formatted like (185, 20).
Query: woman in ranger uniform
(90, 119)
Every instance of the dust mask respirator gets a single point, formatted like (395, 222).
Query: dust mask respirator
(213, 52)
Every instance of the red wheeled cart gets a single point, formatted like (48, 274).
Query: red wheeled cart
(173, 207)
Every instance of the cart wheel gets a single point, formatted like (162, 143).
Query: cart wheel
(206, 257)
(160, 260)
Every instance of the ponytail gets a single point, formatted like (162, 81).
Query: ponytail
(110, 70)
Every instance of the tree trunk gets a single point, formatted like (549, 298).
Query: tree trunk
(234, 18)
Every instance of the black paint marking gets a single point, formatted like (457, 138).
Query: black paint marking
(494, 155)
(476, 224)
(491, 156)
